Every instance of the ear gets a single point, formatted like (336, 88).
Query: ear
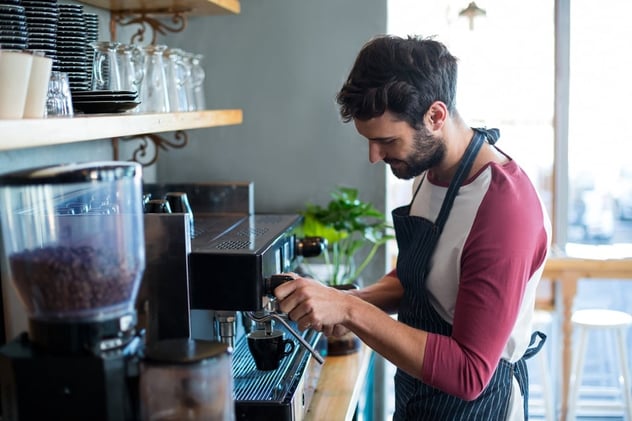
(436, 115)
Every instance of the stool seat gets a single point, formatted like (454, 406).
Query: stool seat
(601, 318)
(616, 323)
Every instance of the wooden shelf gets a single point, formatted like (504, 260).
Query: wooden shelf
(28, 133)
(192, 7)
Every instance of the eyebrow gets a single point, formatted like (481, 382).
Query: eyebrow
(382, 139)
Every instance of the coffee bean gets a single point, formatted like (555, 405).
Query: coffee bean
(71, 279)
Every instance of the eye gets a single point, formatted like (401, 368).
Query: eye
(387, 141)
(383, 141)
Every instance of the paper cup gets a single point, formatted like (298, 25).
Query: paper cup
(15, 71)
(35, 106)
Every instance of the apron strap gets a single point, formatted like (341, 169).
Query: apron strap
(461, 173)
(520, 369)
(534, 349)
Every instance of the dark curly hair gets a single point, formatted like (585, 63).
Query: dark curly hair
(401, 75)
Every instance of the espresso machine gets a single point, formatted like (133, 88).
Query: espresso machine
(237, 258)
(73, 249)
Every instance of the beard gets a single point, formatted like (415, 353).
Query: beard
(428, 151)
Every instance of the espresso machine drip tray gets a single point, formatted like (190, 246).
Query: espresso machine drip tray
(281, 394)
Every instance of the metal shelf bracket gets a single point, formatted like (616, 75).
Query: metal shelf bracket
(150, 145)
(154, 20)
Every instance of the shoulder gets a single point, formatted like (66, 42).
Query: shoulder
(511, 215)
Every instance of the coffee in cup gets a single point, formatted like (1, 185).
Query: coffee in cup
(269, 348)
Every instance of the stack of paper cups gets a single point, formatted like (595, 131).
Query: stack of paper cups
(15, 71)
(35, 106)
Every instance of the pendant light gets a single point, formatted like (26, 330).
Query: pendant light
(471, 11)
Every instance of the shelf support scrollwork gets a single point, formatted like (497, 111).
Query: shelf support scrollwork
(144, 20)
(151, 142)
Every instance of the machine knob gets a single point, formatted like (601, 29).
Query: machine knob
(310, 246)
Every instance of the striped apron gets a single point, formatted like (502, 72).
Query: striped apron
(416, 240)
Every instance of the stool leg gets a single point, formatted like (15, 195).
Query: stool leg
(546, 386)
(576, 376)
(625, 373)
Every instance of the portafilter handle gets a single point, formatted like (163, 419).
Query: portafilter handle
(274, 281)
(280, 319)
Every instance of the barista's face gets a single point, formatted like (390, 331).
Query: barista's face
(409, 152)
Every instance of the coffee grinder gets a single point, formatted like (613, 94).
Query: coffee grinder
(73, 246)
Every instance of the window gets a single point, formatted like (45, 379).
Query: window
(599, 151)
(553, 76)
(507, 80)
(506, 76)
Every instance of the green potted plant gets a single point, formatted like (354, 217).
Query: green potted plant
(349, 226)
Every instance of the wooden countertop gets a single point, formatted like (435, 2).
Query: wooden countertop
(339, 386)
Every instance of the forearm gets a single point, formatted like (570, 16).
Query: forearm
(402, 345)
(385, 293)
(312, 304)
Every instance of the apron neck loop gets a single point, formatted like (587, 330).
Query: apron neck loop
(491, 135)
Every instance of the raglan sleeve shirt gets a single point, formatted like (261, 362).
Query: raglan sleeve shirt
(500, 231)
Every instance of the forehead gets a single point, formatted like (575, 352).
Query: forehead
(385, 126)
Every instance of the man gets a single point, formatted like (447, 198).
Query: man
(471, 245)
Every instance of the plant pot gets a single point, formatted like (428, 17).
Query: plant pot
(348, 343)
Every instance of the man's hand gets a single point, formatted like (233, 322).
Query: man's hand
(314, 305)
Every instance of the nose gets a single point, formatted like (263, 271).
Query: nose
(375, 152)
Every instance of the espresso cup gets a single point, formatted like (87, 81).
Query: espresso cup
(269, 348)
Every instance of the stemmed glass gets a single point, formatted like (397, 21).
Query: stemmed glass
(197, 81)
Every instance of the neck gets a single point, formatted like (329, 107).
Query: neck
(457, 136)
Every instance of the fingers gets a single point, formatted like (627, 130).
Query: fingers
(293, 295)
(311, 305)
(339, 330)
(303, 311)
(304, 325)
(287, 288)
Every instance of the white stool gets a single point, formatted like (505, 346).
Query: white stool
(610, 321)
(542, 321)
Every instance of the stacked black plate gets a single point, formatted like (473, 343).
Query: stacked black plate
(41, 20)
(71, 46)
(92, 35)
(92, 28)
(102, 102)
(13, 29)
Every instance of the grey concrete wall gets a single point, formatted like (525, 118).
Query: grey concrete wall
(282, 62)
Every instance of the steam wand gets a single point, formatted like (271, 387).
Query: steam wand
(268, 317)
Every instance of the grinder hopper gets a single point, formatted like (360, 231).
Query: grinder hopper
(73, 244)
